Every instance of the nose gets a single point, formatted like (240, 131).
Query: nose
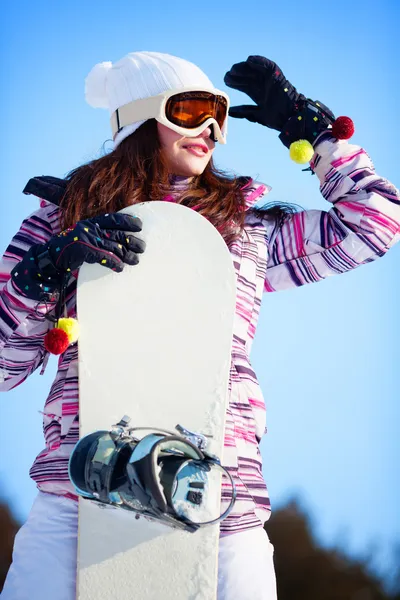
(207, 134)
(204, 135)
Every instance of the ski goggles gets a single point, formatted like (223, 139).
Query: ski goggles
(188, 111)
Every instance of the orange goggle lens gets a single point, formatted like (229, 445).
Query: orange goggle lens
(192, 109)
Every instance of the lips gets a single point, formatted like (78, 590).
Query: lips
(196, 149)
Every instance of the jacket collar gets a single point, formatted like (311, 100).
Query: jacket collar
(52, 189)
(47, 188)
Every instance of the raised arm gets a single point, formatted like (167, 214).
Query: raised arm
(362, 225)
(364, 221)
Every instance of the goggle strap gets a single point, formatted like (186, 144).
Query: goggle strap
(137, 110)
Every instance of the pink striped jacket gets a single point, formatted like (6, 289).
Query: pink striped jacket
(363, 223)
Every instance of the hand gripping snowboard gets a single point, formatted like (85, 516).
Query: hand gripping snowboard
(155, 344)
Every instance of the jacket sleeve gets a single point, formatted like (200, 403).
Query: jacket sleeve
(22, 321)
(362, 225)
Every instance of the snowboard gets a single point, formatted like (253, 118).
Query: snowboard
(155, 344)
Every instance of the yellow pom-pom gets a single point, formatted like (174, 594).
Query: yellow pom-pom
(301, 151)
(71, 328)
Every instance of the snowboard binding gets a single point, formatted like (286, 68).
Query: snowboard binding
(162, 476)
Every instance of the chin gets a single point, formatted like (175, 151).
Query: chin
(195, 172)
(192, 170)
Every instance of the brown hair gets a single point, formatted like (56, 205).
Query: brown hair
(136, 171)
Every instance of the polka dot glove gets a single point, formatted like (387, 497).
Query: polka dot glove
(106, 240)
(278, 105)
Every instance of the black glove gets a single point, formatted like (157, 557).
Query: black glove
(278, 104)
(101, 240)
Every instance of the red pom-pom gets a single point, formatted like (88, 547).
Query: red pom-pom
(56, 341)
(343, 128)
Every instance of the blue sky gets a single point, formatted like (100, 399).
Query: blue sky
(326, 354)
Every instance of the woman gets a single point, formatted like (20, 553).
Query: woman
(166, 118)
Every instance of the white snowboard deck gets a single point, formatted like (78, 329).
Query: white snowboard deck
(155, 344)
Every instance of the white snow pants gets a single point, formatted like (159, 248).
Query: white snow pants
(44, 558)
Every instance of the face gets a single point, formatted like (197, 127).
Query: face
(186, 156)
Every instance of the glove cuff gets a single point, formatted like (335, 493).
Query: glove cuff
(35, 276)
(303, 128)
(46, 266)
(309, 120)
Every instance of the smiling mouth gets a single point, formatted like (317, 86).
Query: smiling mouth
(196, 149)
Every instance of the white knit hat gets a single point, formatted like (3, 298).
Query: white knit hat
(136, 76)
